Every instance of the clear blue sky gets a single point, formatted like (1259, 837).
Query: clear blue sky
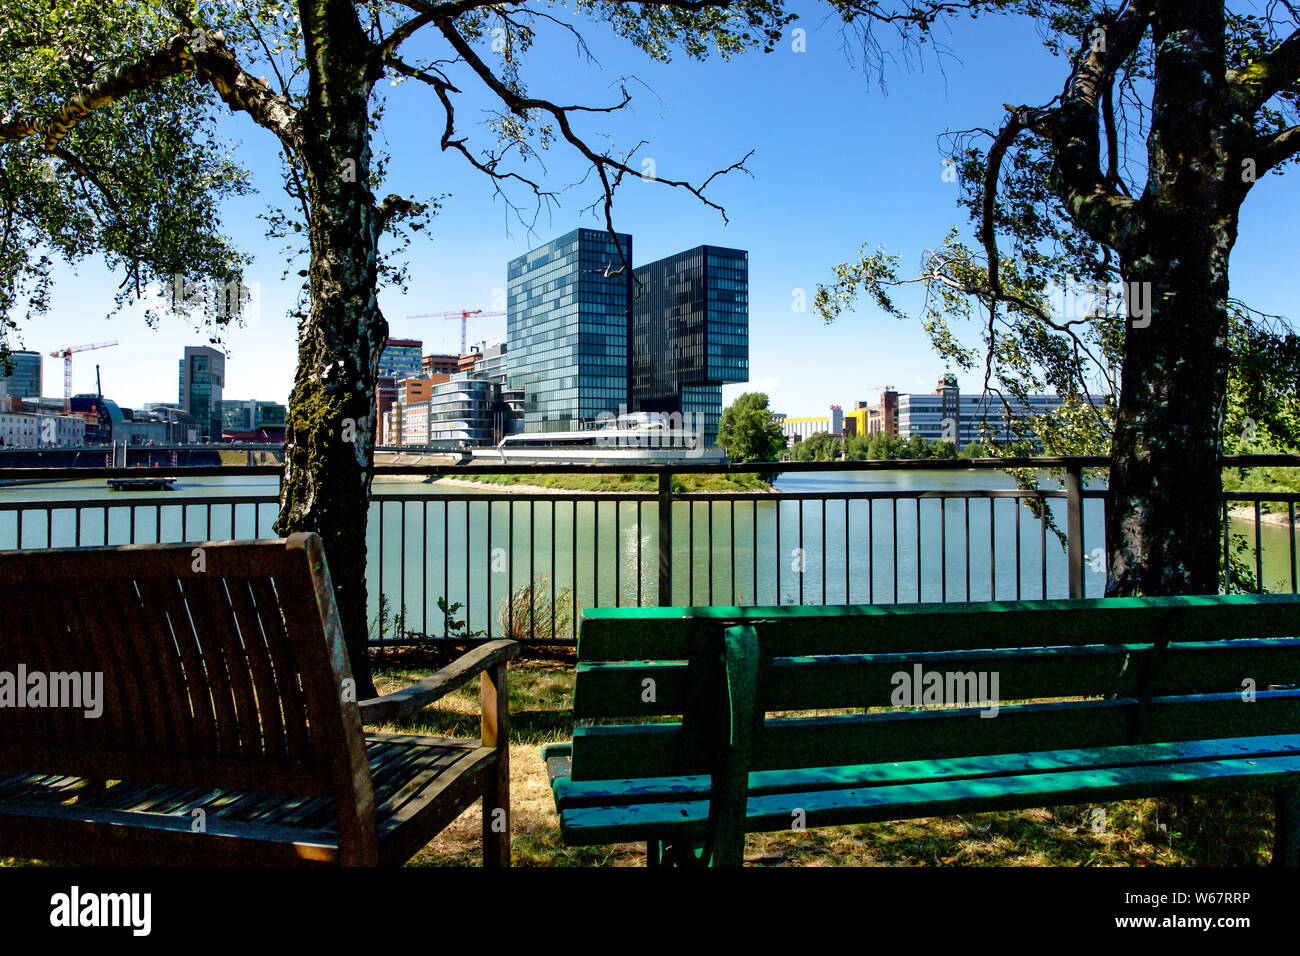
(837, 162)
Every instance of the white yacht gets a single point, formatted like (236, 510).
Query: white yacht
(629, 438)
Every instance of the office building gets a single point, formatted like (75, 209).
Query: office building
(246, 415)
(800, 428)
(202, 378)
(882, 418)
(690, 334)
(568, 329)
(440, 364)
(23, 428)
(401, 358)
(24, 381)
(946, 414)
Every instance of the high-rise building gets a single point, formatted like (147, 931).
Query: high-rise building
(568, 329)
(25, 379)
(202, 378)
(690, 334)
(401, 358)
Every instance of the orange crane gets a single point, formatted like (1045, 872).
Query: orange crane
(461, 314)
(66, 354)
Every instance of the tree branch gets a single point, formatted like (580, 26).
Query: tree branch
(1255, 84)
(603, 163)
(200, 52)
(1278, 148)
(393, 206)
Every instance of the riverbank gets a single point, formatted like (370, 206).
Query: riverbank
(1247, 513)
(610, 484)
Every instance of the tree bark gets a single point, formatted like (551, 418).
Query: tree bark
(1163, 506)
(330, 427)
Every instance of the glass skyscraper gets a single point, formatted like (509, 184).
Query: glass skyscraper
(568, 329)
(25, 379)
(690, 334)
(202, 377)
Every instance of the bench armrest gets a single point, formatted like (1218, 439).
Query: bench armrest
(408, 700)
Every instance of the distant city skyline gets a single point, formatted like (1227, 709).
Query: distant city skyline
(837, 163)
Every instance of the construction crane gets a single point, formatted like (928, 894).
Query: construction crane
(461, 314)
(66, 354)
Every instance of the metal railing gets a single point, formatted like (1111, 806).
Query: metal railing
(470, 564)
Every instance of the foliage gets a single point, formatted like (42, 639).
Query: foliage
(453, 628)
(748, 432)
(682, 484)
(387, 624)
(823, 446)
(1055, 315)
(531, 613)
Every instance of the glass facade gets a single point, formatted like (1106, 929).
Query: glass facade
(248, 415)
(568, 330)
(25, 379)
(462, 410)
(690, 334)
(202, 377)
(401, 359)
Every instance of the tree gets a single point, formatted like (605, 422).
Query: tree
(109, 143)
(819, 446)
(748, 432)
(1129, 183)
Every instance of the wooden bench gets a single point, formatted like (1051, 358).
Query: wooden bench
(229, 729)
(687, 740)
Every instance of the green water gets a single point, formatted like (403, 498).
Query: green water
(605, 553)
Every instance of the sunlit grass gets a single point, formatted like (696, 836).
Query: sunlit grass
(1213, 830)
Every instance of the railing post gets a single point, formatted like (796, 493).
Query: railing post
(1074, 527)
(665, 538)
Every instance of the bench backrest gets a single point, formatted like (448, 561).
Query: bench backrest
(222, 664)
(658, 689)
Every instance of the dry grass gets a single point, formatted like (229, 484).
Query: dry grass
(1219, 830)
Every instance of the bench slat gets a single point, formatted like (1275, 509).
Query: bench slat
(609, 690)
(657, 750)
(613, 634)
(571, 794)
(678, 820)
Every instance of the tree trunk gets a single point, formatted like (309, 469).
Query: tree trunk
(1163, 514)
(330, 429)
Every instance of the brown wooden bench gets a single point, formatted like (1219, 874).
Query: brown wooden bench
(229, 731)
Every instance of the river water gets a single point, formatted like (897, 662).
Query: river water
(434, 540)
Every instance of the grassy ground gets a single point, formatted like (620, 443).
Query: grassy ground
(635, 483)
(1232, 830)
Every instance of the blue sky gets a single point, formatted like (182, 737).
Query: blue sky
(838, 162)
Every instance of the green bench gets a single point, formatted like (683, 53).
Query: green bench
(693, 727)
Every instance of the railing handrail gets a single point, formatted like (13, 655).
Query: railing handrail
(1036, 462)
